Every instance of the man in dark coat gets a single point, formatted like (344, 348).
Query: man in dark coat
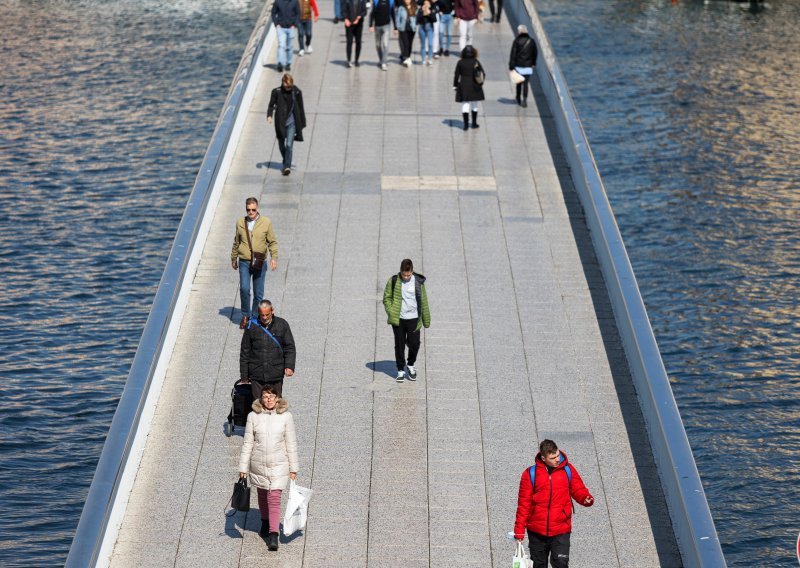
(286, 102)
(267, 354)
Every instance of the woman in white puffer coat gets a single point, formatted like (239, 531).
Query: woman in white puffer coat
(269, 456)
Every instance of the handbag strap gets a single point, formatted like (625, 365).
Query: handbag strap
(247, 232)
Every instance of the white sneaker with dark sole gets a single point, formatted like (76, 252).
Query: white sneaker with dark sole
(412, 373)
(400, 376)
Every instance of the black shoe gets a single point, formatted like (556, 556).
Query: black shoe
(447, 53)
(286, 171)
(519, 101)
(288, 67)
(336, 20)
(263, 532)
(280, 68)
(524, 103)
(466, 120)
(272, 541)
(358, 64)
(474, 120)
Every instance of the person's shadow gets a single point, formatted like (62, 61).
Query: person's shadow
(386, 367)
(507, 101)
(229, 312)
(453, 123)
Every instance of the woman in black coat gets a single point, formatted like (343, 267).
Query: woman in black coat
(286, 102)
(468, 83)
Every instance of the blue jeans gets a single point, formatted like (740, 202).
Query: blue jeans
(285, 40)
(304, 33)
(426, 41)
(285, 145)
(445, 28)
(244, 287)
(337, 9)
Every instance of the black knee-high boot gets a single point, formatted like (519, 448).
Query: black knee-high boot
(475, 119)
(519, 93)
(466, 119)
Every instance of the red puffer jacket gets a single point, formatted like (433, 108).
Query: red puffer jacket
(547, 508)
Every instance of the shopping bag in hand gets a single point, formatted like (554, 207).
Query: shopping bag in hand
(296, 508)
(521, 559)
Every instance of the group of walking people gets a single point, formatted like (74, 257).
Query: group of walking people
(269, 454)
(267, 356)
(431, 20)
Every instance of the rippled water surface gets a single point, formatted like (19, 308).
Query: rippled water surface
(692, 110)
(106, 109)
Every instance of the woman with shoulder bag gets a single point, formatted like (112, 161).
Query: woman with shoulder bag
(269, 457)
(522, 61)
(468, 84)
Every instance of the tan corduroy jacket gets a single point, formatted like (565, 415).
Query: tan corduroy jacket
(263, 237)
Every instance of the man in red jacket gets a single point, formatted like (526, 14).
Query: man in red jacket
(544, 507)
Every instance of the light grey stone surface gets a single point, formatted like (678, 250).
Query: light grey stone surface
(523, 344)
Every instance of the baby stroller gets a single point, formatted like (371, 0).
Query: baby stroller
(241, 405)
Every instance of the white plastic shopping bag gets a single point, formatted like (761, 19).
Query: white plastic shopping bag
(296, 508)
(521, 559)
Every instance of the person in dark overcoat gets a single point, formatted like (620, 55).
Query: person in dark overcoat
(468, 90)
(286, 103)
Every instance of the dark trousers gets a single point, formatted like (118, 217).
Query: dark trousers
(406, 40)
(498, 14)
(354, 33)
(285, 146)
(406, 334)
(522, 88)
(257, 387)
(555, 547)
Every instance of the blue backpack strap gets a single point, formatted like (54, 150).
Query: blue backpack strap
(272, 337)
(567, 469)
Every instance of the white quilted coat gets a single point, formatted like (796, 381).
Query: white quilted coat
(269, 451)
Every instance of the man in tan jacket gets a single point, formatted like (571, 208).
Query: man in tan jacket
(254, 233)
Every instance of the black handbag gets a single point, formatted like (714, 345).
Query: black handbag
(240, 500)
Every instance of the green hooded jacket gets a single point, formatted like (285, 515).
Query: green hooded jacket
(393, 300)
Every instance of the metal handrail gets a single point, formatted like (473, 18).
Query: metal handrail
(691, 517)
(93, 525)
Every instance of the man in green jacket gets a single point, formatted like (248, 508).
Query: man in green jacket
(406, 304)
(254, 233)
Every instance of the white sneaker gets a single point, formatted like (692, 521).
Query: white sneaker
(412, 373)
(301, 53)
(309, 49)
(383, 66)
(429, 62)
(400, 376)
(408, 62)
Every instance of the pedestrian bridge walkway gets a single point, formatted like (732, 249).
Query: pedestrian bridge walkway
(523, 343)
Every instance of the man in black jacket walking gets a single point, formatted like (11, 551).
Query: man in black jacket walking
(267, 354)
(286, 103)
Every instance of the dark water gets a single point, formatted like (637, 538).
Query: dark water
(693, 113)
(106, 109)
